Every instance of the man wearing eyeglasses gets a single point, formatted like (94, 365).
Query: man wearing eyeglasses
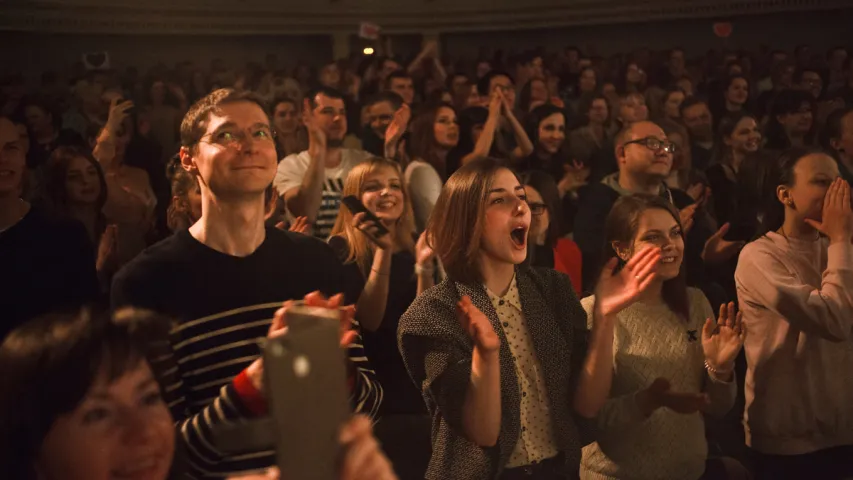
(644, 155)
(223, 280)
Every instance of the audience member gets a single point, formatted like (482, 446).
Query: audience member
(311, 181)
(837, 137)
(658, 338)
(45, 132)
(700, 123)
(211, 357)
(48, 262)
(385, 273)
(738, 136)
(401, 83)
(495, 345)
(791, 121)
(794, 285)
(586, 142)
(290, 135)
(380, 112)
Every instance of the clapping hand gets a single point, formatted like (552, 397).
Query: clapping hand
(396, 129)
(718, 249)
(424, 254)
(723, 339)
(316, 135)
(837, 218)
(617, 291)
(478, 328)
(686, 215)
(660, 394)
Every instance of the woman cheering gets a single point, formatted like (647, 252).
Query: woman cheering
(500, 349)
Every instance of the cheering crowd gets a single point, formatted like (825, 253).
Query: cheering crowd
(561, 267)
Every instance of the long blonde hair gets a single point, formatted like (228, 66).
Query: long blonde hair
(360, 247)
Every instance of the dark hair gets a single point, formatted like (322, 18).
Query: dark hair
(448, 83)
(547, 187)
(396, 74)
(45, 106)
(195, 121)
(393, 98)
(537, 116)
(769, 176)
(524, 99)
(484, 84)
(47, 366)
(832, 129)
(283, 99)
(56, 174)
(422, 144)
(311, 96)
(728, 124)
(798, 74)
(786, 102)
(621, 227)
(468, 119)
(585, 105)
(456, 224)
(691, 101)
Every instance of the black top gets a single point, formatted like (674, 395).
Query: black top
(725, 192)
(222, 305)
(701, 157)
(401, 394)
(46, 264)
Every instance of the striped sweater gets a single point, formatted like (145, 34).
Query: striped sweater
(222, 306)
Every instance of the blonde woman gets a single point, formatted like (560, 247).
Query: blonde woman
(385, 273)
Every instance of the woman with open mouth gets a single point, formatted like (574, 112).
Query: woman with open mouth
(671, 361)
(501, 349)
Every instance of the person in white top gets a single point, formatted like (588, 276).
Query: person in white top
(311, 181)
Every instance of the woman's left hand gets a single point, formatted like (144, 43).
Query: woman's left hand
(722, 341)
(424, 254)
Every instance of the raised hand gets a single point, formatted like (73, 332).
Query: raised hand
(107, 249)
(837, 218)
(424, 254)
(723, 339)
(278, 327)
(616, 291)
(118, 112)
(718, 250)
(660, 394)
(316, 135)
(397, 128)
(686, 214)
(575, 177)
(371, 231)
(363, 459)
(477, 326)
(496, 103)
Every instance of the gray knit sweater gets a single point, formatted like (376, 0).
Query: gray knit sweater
(650, 341)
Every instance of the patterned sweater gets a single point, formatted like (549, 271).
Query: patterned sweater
(650, 341)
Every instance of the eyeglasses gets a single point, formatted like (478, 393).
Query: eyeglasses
(654, 144)
(537, 208)
(233, 138)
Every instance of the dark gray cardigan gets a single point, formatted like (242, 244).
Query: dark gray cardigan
(437, 353)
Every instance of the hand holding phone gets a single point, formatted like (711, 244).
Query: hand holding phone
(367, 221)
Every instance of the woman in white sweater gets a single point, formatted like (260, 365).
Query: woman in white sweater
(671, 361)
(795, 284)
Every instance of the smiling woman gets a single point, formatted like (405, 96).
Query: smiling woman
(79, 401)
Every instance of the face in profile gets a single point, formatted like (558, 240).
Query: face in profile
(82, 183)
(382, 194)
(507, 220)
(813, 175)
(121, 429)
(658, 228)
(446, 128)
(552, 133)
(236, 155)
(672, 105)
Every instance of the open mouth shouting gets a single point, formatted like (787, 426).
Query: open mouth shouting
(518, 235)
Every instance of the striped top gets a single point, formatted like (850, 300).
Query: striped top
(223, 305)
(292, 169)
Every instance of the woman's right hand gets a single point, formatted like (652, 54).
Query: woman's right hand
(371, 231)
(496, 103)
(837, 218)
(616, 291)
(477, 326)
(118, 112)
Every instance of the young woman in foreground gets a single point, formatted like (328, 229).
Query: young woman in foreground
(795, 285)
(501, 349)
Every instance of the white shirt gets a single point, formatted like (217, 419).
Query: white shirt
(424, 185)
(292, 169)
